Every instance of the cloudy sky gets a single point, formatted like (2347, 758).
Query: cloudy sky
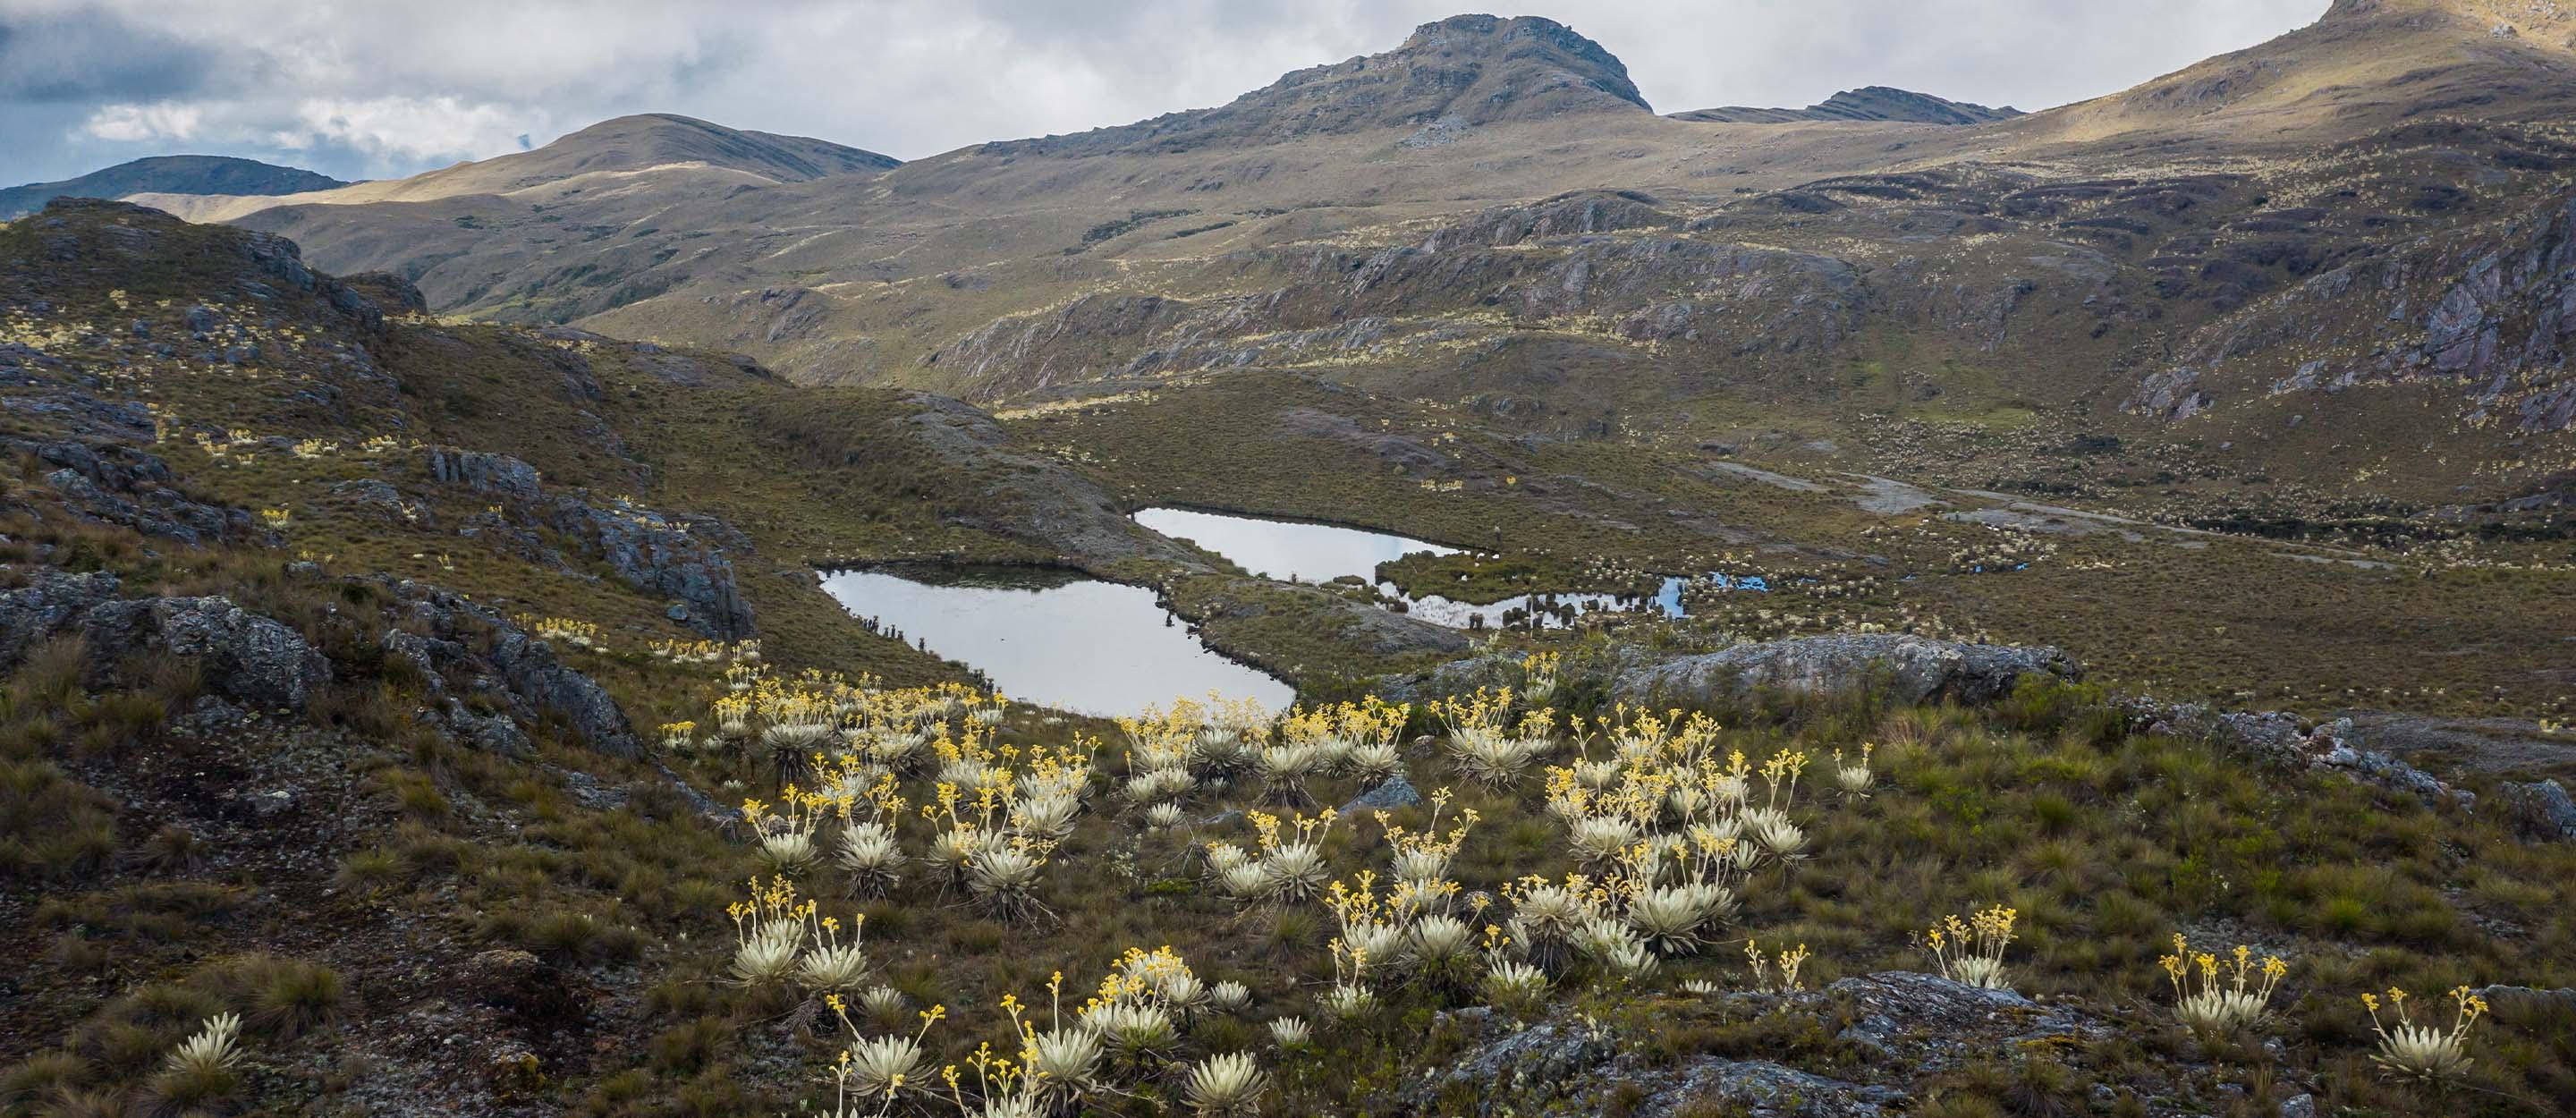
(375, 88)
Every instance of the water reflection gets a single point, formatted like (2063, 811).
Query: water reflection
(1053, 639)
(1286, 549)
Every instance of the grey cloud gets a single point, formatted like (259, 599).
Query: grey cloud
(79, 56)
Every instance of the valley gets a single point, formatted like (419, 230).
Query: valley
(1433, 588)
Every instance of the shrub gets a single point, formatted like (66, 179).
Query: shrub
(1229, 1084)
(2208, 1007)
(292, 996)
(2425, 1051)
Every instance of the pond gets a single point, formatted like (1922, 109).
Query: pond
(1054, 639)
(1288, 550)
(1306, 552)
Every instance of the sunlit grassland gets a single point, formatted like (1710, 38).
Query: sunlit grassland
(2105, 843)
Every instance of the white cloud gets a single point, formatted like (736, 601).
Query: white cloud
(407, 128)
(134, 124)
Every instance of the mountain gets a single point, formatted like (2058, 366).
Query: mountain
(1451, 74)
(168, 174)
(2224, 256)
(1875, 102)
(618, 154)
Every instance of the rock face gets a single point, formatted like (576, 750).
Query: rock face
(1909, 669)
(2488, 313)
(245, 657)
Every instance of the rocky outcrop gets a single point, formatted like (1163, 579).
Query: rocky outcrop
(106, 481)
(1590, 211)
(2540, 810)
(2284, 739)
(1902, 1030)
(52, 604)
(1906, 669)
(1031, 498)
(465, 651)
(1393, 793)
(245, 657)
(497, 474)
(2170, 394)
(1915, 1019)
(242, 656)
(652, 552)
(645, 548)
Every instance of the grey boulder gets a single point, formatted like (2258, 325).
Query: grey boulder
(244, 657)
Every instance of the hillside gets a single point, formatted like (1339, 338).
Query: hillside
(392, 711)
(168, 174)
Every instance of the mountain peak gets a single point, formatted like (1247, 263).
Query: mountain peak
(1459, 72)
(1532, 47)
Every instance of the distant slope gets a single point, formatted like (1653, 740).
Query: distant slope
(1873, 103)
(631, 143)
(624, 146)
(2365, 65)
(168, 174)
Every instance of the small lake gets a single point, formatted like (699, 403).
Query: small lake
(1054, 639)
(1290, 549)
